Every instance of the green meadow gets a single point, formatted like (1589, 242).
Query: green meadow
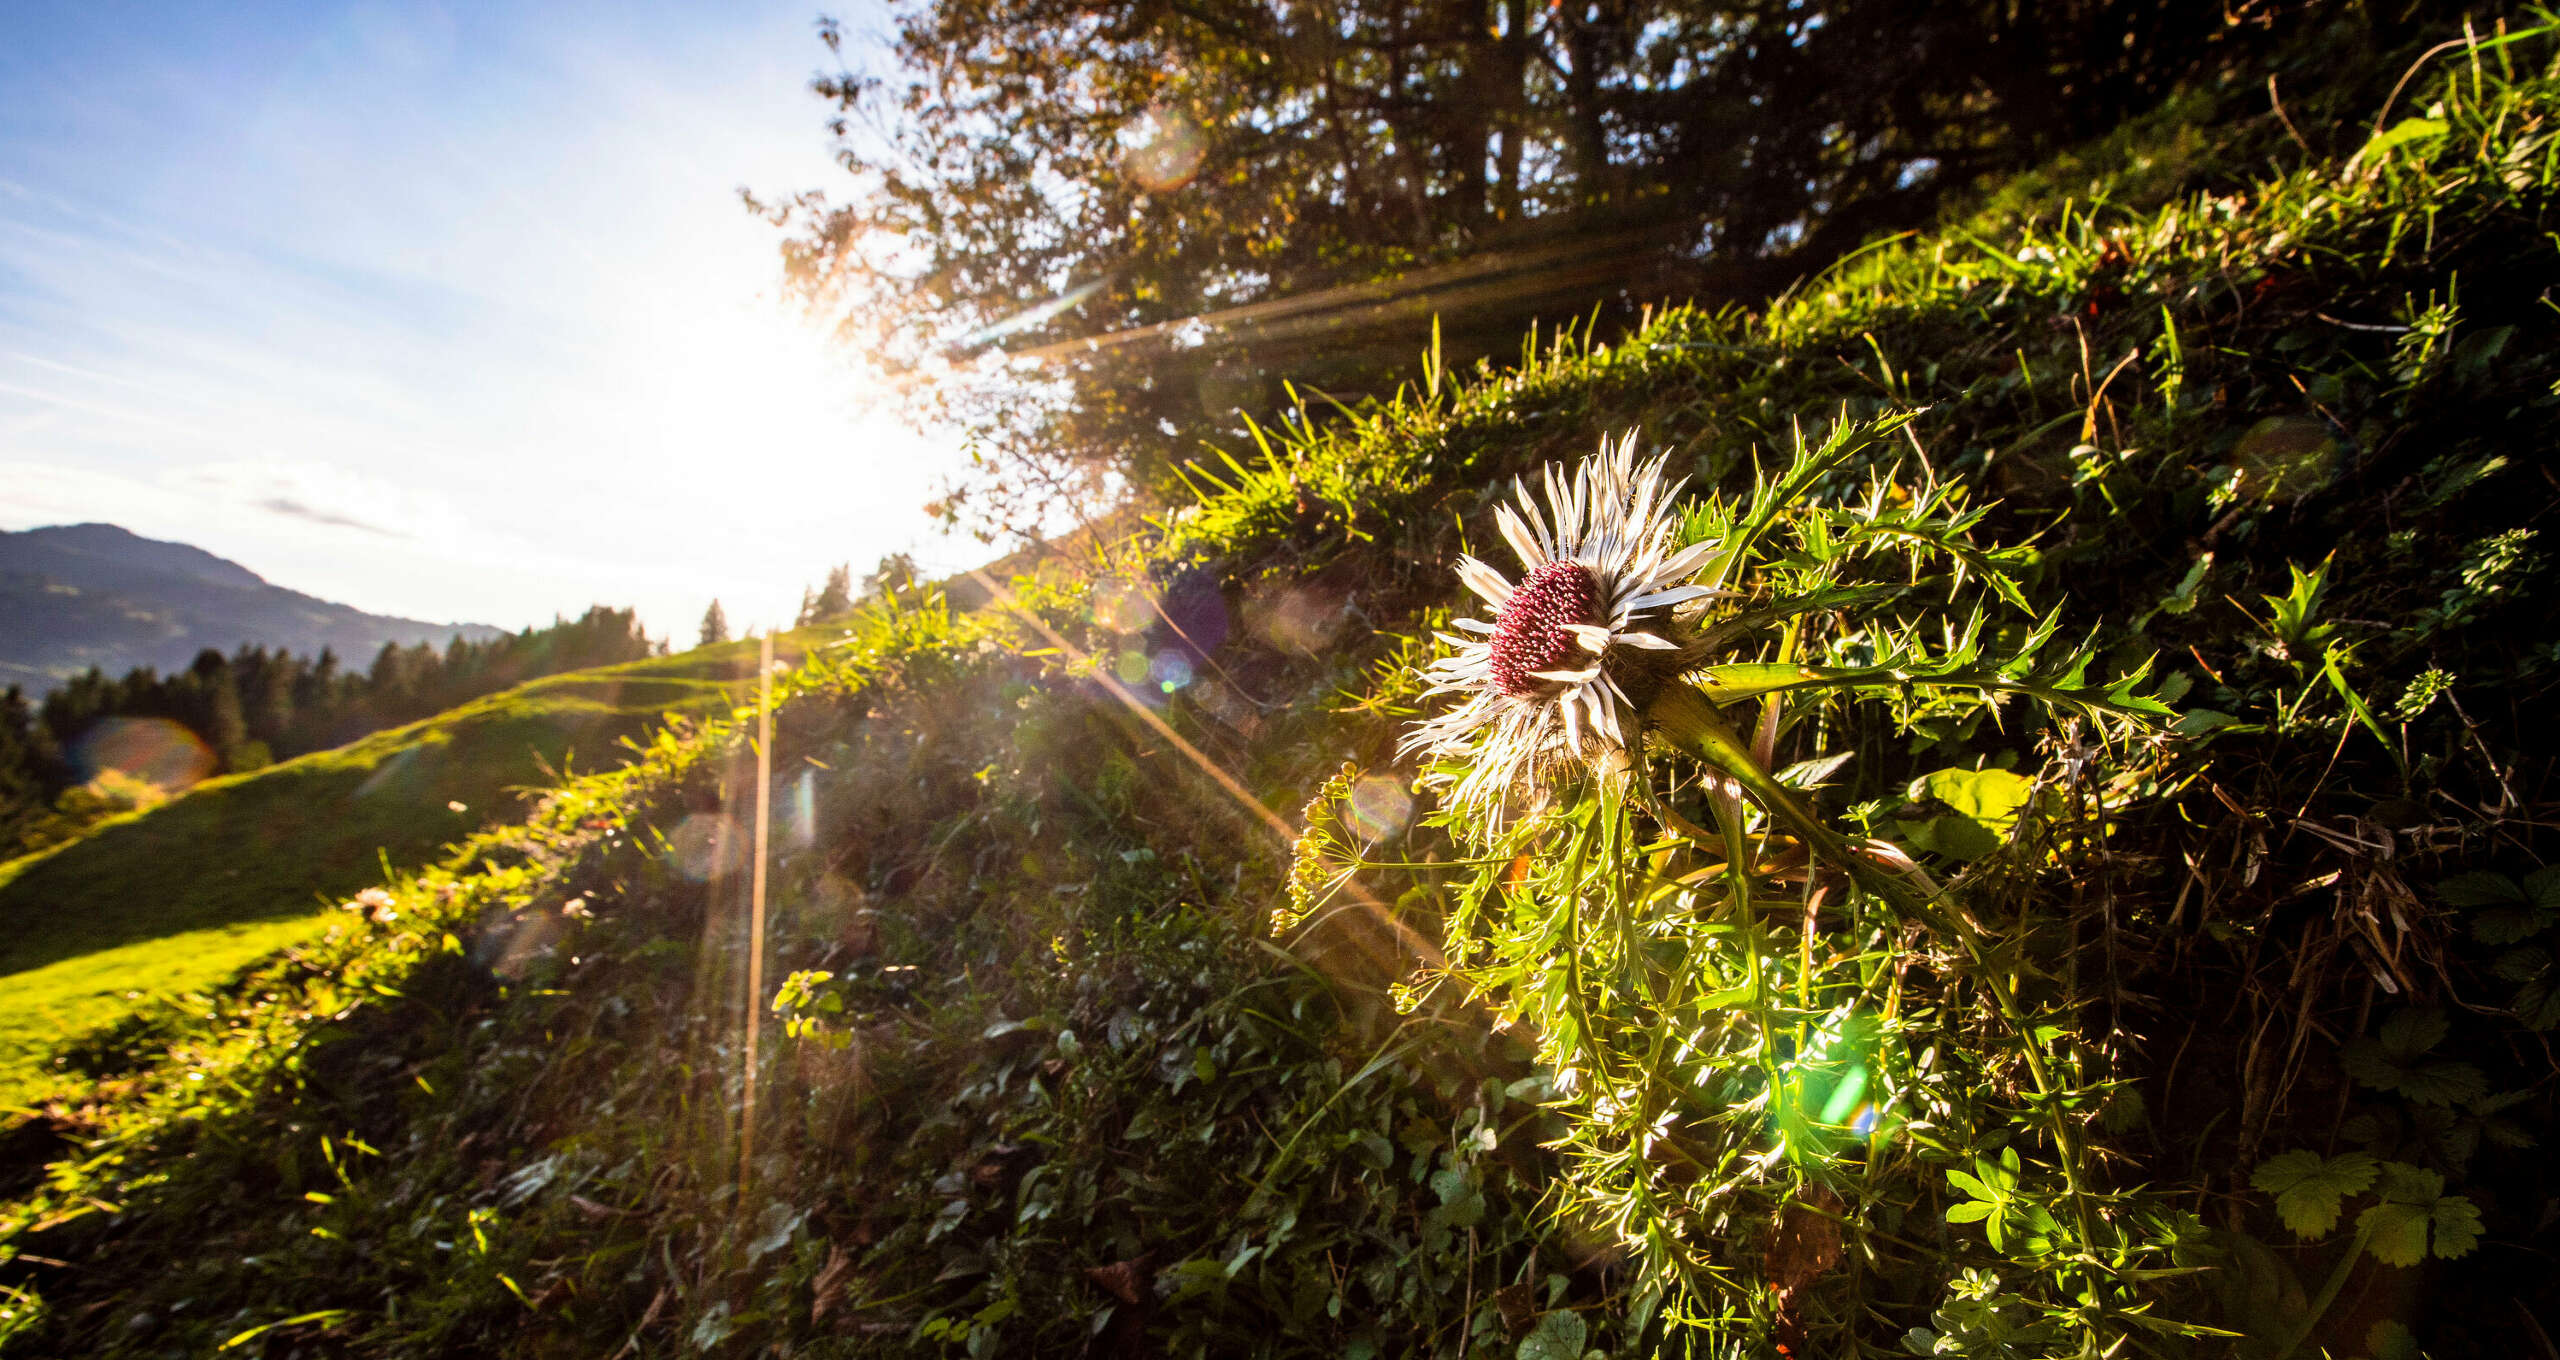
(178, 897)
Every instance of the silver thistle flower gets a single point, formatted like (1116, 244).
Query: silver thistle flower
(1565, 667)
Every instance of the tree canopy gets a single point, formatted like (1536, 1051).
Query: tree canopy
(1093, 232)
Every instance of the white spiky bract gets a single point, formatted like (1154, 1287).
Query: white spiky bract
(1541, 690)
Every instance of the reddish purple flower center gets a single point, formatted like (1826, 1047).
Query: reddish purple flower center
(1529, 634)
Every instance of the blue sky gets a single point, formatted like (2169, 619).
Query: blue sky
(444, 310)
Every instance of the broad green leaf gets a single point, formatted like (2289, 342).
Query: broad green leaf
(2479, 890)
(2413, 1031)
(2396, 1234)
(2394, 1060)
(1558, 1336)
(2391, 1340)
(2444, 1083)
(2522, 965)
(1984, 805)
(2457, 1225)
(2543, 887)
(2408, 1184)
(1991, 797)
(1954, 836)
(2310, 1191)
(2537, 1004)
(2414, 1201)
(2506, 925)
(2198, 721)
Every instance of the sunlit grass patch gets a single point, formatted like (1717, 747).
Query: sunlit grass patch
(49, 1006)
(186, 892)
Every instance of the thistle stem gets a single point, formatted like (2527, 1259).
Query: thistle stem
(1687, 721)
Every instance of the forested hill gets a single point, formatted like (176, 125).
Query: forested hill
(73, 759)
(78, 596)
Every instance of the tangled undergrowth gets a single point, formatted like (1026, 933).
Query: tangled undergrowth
(2285, 958)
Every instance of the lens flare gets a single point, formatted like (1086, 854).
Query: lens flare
(2285, 458)
(1170, 671)
(1299, 621)
(1194, 616)
(154, 750)
(1824, 1105)
(801, 821)
(707, 845)
(1123, 608)
(1380, 807)
(1226, 706)
(1162, 150)
(1845, 1097)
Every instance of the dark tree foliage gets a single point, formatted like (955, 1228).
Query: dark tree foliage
(831, 600)
(1094, 231)
(30, 766)
(255, 705)
(715, 626)
(895, 572)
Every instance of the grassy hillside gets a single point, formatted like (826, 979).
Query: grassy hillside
(1052, 1087)
(178, 897)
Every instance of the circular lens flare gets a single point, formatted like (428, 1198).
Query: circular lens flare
(1380, 807)
(1123, 608)
(154, 750)
(1162, 150)
(707, 845)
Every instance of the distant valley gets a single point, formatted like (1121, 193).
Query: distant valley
(81, 595)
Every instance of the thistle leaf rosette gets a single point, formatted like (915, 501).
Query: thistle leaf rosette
(1577, 647)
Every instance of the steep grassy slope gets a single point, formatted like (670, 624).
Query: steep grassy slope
(1057, 1093)
(180, 896)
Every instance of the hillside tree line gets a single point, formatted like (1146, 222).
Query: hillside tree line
(256, 706)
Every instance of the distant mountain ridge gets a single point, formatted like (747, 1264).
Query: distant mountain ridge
(74, 596)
